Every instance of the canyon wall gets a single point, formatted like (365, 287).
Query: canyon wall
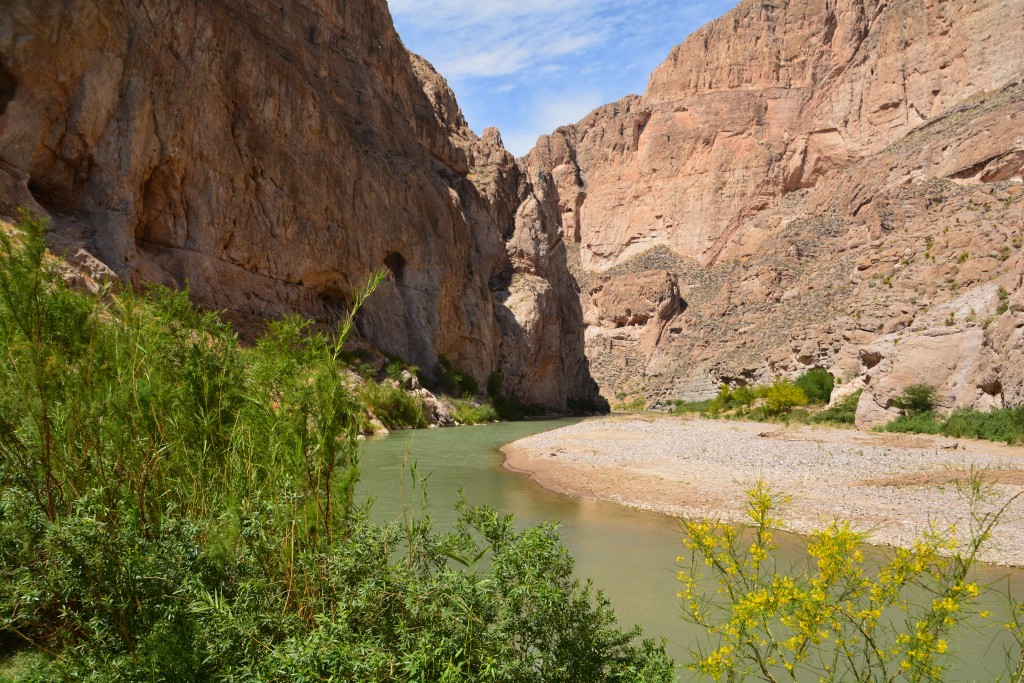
(807, 183)
(270, 156)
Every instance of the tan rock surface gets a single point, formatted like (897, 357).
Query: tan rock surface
(821, 177)
(766, 100)
(271, 156)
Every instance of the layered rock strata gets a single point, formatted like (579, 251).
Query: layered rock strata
(270, 156)
(823, 178)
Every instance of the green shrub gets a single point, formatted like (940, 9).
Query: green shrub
(1005, 425)
(998, 425)
(915, 423)
(1004, 301)
(843, 413)
(797, 415)
(781, 397)
(365, 370)
(742, 397)
(355, 358)
(392, 405)
(448, 380)
(739, 399)
(396, 367)
(917, 398)
(175, 507)
(817, 385)
(685, 407)
(472, 414)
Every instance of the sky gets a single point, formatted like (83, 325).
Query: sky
(529, 66)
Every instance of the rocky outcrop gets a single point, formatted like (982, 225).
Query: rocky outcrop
(271, 156)
(822, 178)
(627, 317)
(767, 100)
(948, 348)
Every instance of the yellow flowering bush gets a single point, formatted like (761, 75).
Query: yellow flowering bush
(837, 617)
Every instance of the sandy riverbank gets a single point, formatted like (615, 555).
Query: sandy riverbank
(891, 485)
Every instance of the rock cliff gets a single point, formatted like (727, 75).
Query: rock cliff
(270, 156)
(832, 183)
(804, 183)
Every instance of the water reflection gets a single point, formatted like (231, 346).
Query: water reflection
(630, 554)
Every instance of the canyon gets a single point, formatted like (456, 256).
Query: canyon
(270, 157)
(804, 183)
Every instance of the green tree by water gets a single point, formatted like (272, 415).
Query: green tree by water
(175, 507)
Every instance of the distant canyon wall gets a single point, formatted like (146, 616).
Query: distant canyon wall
(805, 183)
(271, 156)
(801, 180)
(765, 101)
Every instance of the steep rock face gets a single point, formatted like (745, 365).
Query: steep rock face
(817, 174)
(627, 318)
(271, 156)
(767, 100)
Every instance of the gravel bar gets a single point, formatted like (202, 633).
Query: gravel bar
(891, 485)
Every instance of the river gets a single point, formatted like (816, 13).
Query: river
(630, 554)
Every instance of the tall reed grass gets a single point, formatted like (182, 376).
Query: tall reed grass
(174, 507)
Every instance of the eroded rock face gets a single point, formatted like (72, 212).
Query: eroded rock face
(627, 317)
(822, 178)
(770, 99)
(271, 156)
(954, 357)
(635, 301)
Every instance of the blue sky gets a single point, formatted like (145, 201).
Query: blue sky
(529, 66)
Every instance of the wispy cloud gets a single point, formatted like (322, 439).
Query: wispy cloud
(518, 64)
(544, 112)
(498, 37)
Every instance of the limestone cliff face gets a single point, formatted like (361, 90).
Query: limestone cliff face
(271, 155)
(816, 174)
(768, 100)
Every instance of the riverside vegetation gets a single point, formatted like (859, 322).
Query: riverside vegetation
(784, 400)
(174, 507)
(839, 617)
(397, 408)
(918, 407)
(778, 401)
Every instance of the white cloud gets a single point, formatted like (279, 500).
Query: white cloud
(509, 55)
(484, 38)
(547, 111)
(529, 66)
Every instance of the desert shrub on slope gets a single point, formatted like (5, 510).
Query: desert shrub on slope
(817, 385)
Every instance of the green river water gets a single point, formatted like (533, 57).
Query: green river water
(630, 555)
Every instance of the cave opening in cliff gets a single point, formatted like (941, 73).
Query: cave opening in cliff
(50, 198)
(8, 88)
(395, 262)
